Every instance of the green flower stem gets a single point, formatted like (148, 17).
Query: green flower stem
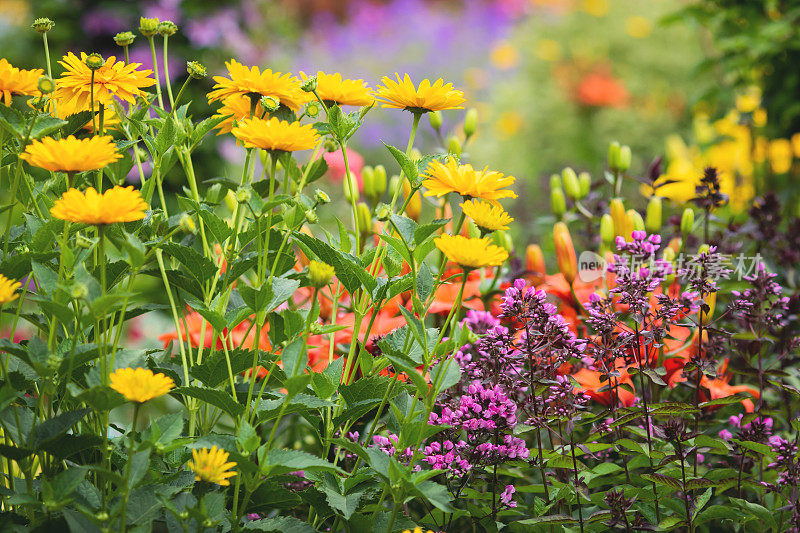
(12, 199)
(127, 54)
(49, 68)
(166, 76)
(91, 101)
(180, 92)
(155, 71)
(184, 361)
(128, 467)
(353, 203)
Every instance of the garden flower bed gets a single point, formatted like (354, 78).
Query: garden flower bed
(404, 367)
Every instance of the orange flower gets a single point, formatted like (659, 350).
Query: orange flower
(601, 89)
(591, 384)
(446, 294)
(720, 387)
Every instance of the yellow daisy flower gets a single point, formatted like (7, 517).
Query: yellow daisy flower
(471, 253)
(18, 81)
(487, 215)
(417, 530)
(466, 181)
(113, 79)
(140, 384)
(212, 466)
(275, 134)
(7, 290)
(244, 81)
(331, 88)
(235, 108)
(402, 94)
(71, 154)
(115, 205)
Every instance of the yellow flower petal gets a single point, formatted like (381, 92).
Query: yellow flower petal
(140, 384)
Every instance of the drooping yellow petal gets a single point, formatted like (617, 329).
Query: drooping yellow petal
(115, 205)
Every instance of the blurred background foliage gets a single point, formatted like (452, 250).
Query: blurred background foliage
(553, 80)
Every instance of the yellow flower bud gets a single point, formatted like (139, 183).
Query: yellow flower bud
(319, 273)
(687, 221)
(565, 252)
(503, 240)
(613, 155)
(635, 221)
(148, 26)
(624, 158)
(711, 301)
(607, 229)
(454, 145)
(585, 183)
(414, 207)
(617, 209)
(558, 203)
(470, 122)
(653, 215)
(436, 119)
(571, 185)
(364, 218)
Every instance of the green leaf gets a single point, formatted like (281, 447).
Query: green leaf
(276, 462)
(219, 228)
(757, 511)
(661, 479)
(436, 494)
(408, 166)
(349, 270)
(45, 126)
(282, 524)
(734, 398)
(214, 369)
(215, 397)
(272, 495)
(198, 266)
(12, 120)
(53, 427)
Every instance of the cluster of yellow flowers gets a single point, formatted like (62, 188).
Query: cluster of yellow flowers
(735, 146)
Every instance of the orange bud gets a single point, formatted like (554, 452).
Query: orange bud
(535, 259)
(620, 217)
(675, 244)
(711, 301)
(565, 252)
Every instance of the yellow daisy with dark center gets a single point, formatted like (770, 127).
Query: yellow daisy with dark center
(18, 81)
(466, 181)
(140, 384)
(488, 216)
(212, 466)
(402, 94)
(471, 253)
(113, 79)
(71, 154)
(8, 289)
(275, 134)
(244, 81)
(332, 88)
(115, 205)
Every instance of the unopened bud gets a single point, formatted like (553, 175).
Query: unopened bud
(565, 252)
(454, 145)
(330, 146)
(635, 221)
(46, 85)
(270, 103)
(187, 224)
(534, 259)
(364, 218)
(311, 216)
(571, 185)
(319, 273)
(167, 28)
(555, 181)
(350, 187)
(379, 181)
(94, 61)
(321, 197)
(470, 122)
(196, 70)
(243, 195)
(414, 207)
(310, 84)
(653, 215)
(607, 229)
(707, 316)
(617, 209)
(503, 240)
(124, 38)
(312, 109)
(687, 222)
(585, 183)
(624, 158)
(703, 249)
(436, 119)
(394, 184)
(43, 25)
(148, 26)
(382, 212)
(613, 156)
(78, 291)
(558, 204)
